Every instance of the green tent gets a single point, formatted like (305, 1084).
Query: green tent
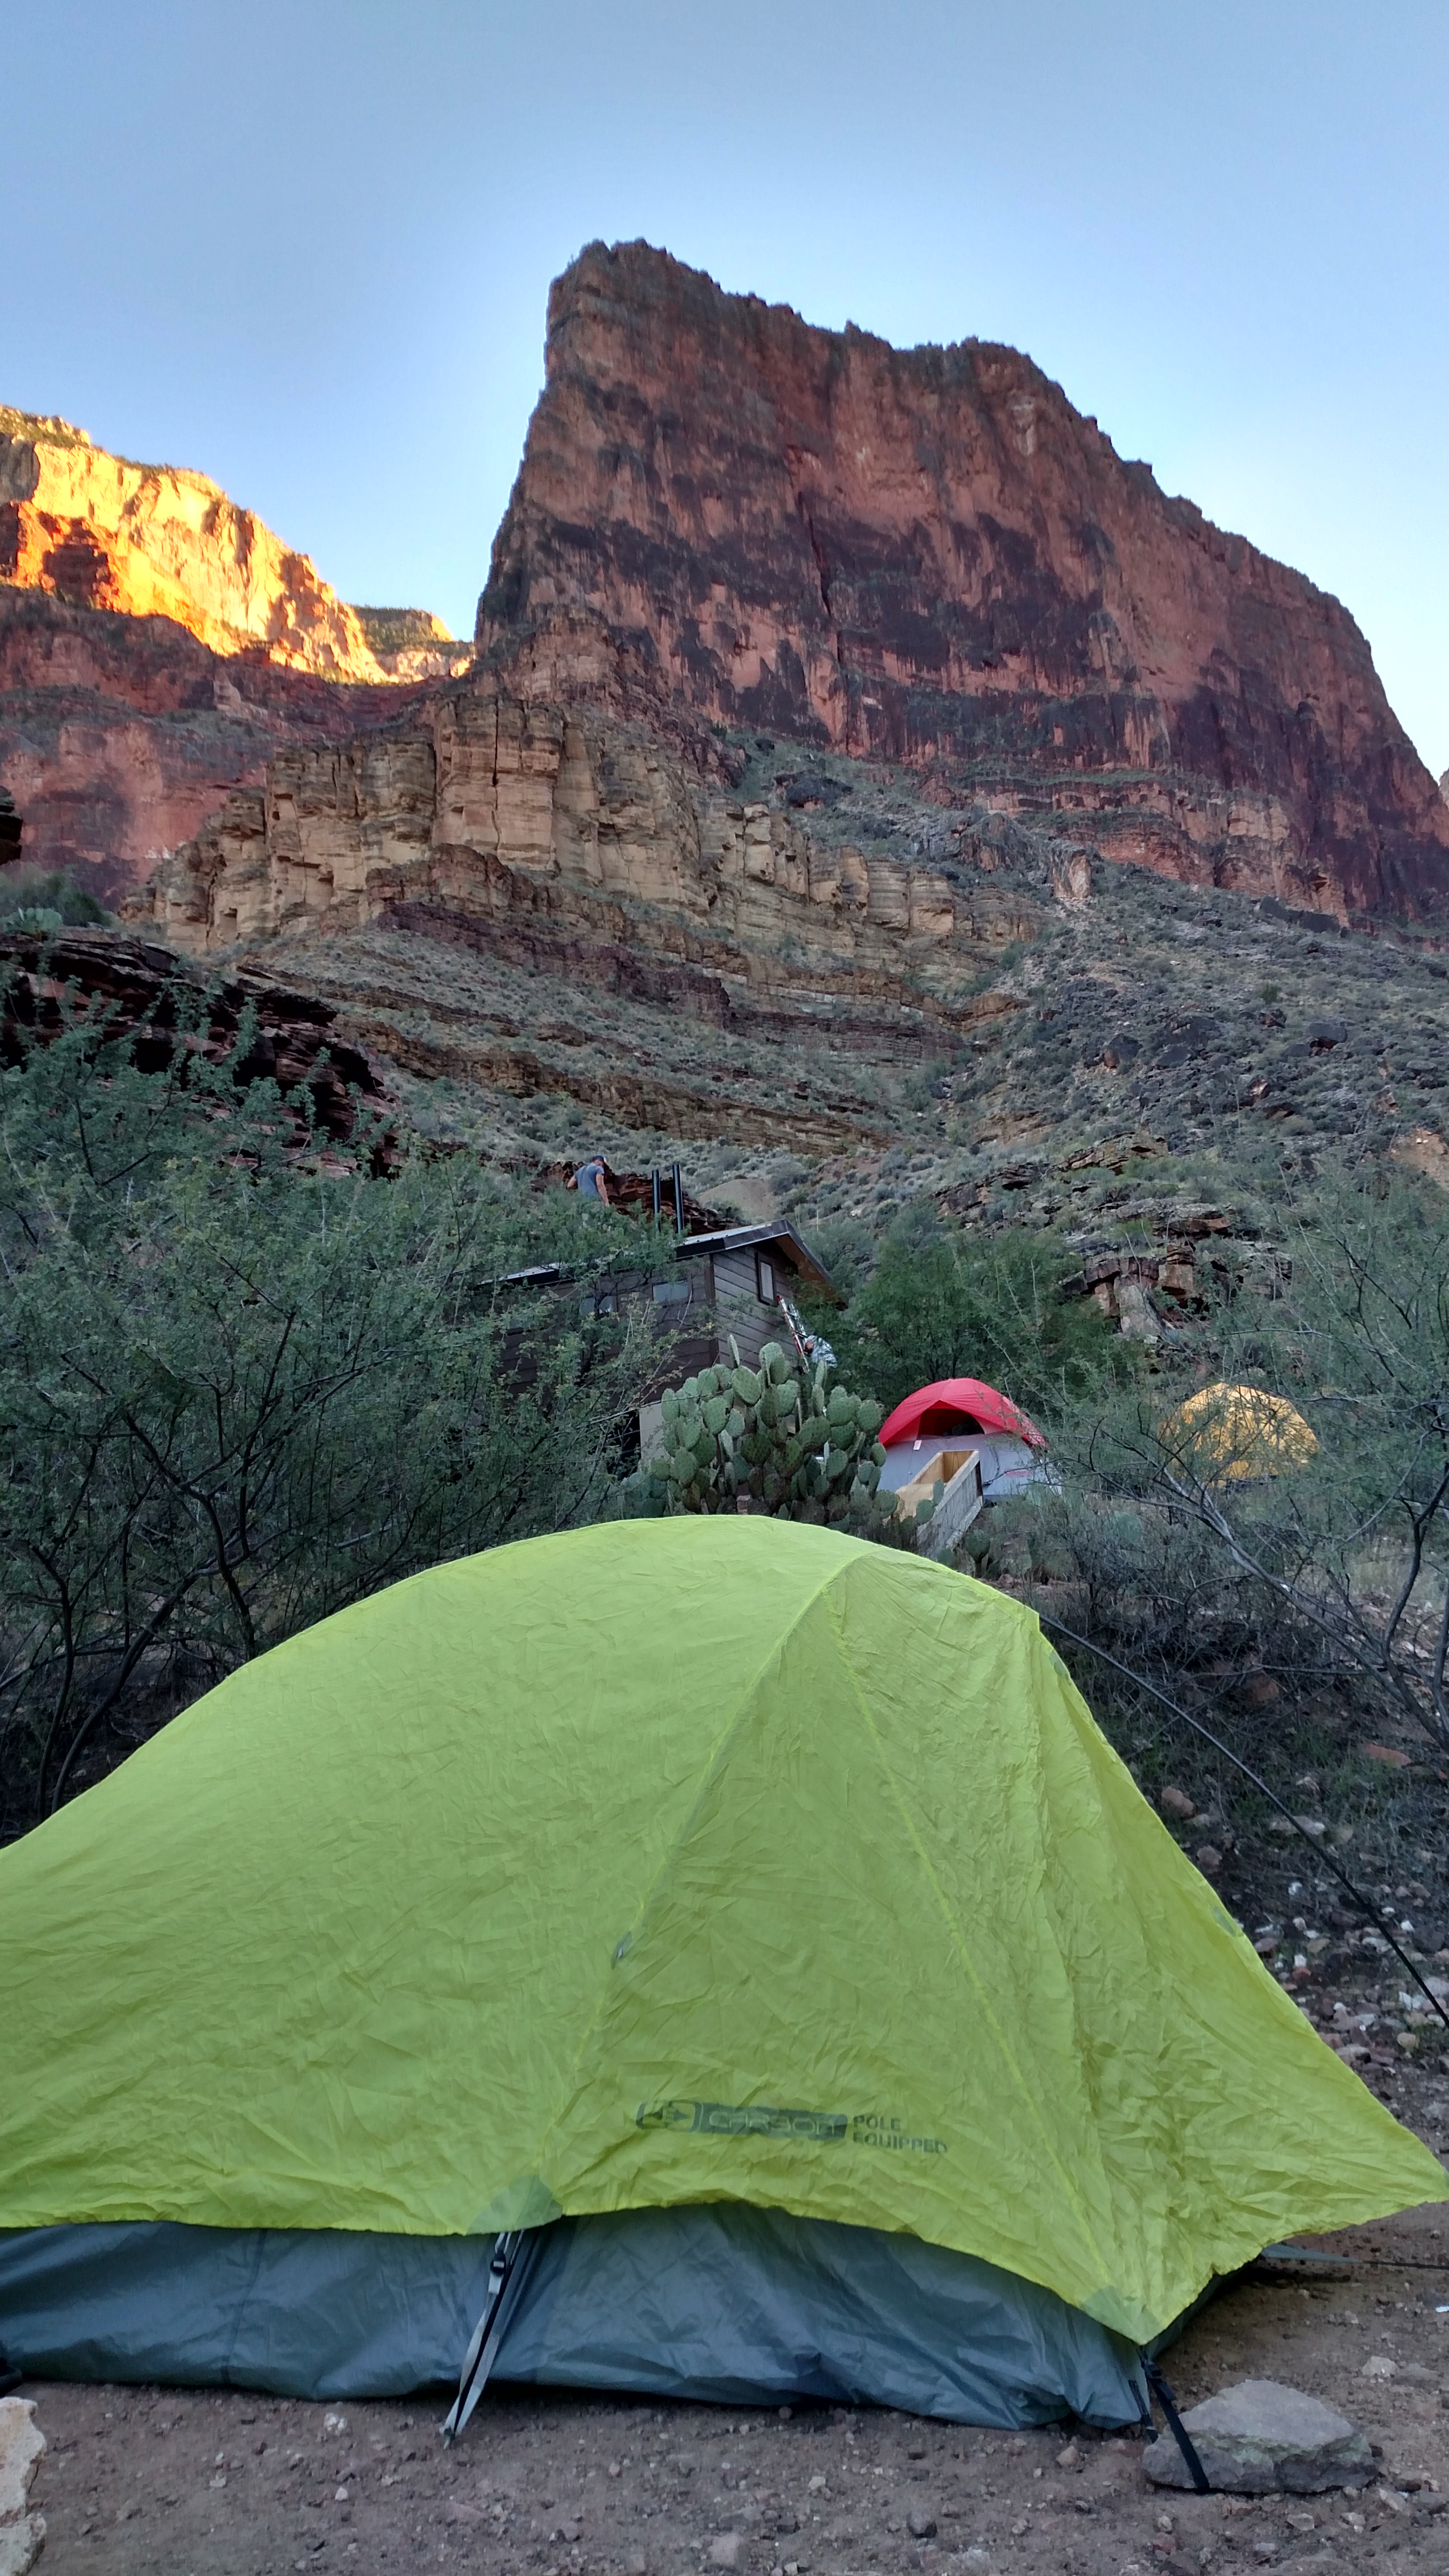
(717, 1876)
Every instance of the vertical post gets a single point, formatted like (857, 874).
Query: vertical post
(678, 1178)
(654, 1177)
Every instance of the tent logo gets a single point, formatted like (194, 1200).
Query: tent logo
(743, 2120)
(756, 2120)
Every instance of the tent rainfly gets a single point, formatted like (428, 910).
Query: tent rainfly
(1239, 1434)
(734, 1942)
(1009, 1448)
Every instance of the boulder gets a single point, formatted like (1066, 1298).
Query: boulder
(1261, 2438)
(22, 2534)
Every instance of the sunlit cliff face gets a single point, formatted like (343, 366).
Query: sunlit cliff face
(158, 541)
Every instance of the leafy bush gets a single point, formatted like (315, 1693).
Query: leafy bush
(236, 1394)
(1304, 1564)
(33, 901)
(948, 1304)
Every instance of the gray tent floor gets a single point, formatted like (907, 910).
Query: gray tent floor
(717, 2302)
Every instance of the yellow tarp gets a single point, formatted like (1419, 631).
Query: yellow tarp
(671, 1861)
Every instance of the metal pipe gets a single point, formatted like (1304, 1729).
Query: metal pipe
(678, 1178)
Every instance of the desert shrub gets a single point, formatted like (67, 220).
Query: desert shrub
(849, 1250)
(945, 1303)
(238, 1392)
(1218, 1562)
(35, 899)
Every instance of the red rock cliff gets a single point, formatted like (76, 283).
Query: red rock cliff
(120, 734)
(161, 541)
(927, 555)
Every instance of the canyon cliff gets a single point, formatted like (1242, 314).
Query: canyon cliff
(119, 735)
(732, 535)
(161, 541)
(927, 556)
(157, 644)
(572, 840)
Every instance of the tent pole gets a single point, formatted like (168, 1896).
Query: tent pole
(1176, 2426)
(479, 2358)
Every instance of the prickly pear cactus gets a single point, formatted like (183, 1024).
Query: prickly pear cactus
(776, 1439)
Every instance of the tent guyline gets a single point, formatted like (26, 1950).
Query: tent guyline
(1364, 1903)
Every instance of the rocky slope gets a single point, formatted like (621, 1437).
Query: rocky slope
(175, 1020)
(928, 556)
(574, 840)
(817, 989)
(119, 734)
(575, 900)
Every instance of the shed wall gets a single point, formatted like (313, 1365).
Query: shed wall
(738, 1307)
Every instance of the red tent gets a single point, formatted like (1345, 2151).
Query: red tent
(957, 1404)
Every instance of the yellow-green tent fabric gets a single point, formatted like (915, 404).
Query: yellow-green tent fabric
(667, 1862)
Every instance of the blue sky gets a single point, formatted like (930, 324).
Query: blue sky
(305, 245)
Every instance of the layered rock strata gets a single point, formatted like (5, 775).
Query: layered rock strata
(161, 541)
(154, 998)
(929, 556)
(119, 735)
(570, 839)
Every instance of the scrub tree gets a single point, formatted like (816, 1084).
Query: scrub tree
(241, 1387)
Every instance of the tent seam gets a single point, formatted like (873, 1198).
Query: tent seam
(718, 1755)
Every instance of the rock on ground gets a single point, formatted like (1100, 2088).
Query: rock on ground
(22, 2534)
(1259, 2437)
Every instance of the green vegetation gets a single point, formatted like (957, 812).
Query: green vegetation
(1299, 1609)
(1328, 1567)
(45, 901)
(33, 424)
(239, 1390)
(797, 1448)
(943, 1303)
(396, 630)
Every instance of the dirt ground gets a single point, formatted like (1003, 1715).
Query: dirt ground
(168, 2482)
